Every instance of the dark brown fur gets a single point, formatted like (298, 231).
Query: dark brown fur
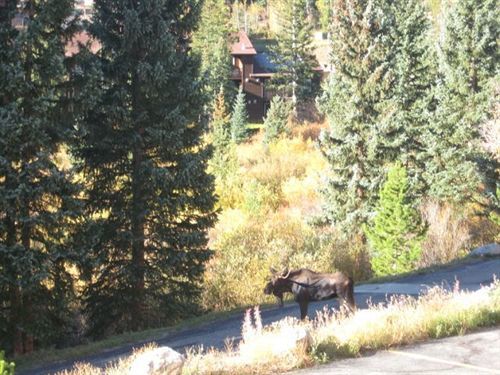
(307, 285)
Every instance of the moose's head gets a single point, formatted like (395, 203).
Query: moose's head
(278, 284)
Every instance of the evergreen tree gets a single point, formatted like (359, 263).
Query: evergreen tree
(224, 162)
(239, 118)
(210, 43)
(37, 204)
(142, 155)
(379, 101)
(395, 233)
(352, 101)
(276, 120)
(408, 107)
(221, 136)
(469, 57)
(293, 54)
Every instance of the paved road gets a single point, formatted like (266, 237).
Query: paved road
(470, 276)
(475, 353)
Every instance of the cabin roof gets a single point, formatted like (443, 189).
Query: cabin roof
(243, 45)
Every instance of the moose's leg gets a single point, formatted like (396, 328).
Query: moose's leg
(346, 294)
(303, 303)
(280, 300)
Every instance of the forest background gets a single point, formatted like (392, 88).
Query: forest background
(134, 193)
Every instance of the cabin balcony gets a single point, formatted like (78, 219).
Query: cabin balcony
(254, 88)
(236, 74)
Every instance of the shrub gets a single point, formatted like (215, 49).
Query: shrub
(6, 368)
(262, 197)
(246, 251)
(448, 234)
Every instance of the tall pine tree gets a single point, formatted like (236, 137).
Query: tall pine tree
(293, 54)
(378, 101)
(409, 104)
(221, 137)
(142, 156)
(469, 60)
(211, 44)
(37, 205)
(352, 101)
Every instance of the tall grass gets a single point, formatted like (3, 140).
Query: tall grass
(401, 320)
(333, 334)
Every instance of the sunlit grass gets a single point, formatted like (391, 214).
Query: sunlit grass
(333, 334)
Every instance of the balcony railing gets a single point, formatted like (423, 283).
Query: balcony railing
(254, 88)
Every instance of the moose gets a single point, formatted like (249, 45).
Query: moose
(307, 285)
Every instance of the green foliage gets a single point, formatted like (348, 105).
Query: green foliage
(378, 102)
(261, 197)
(210, 43)
(325, 8)
(458, 168)
(220, 127)
(276, 120)
(246, 246)
(224, 161)
(6, 368)
(37, 198)
(247, 252)
(394, 234)
(351, 102)
(409, 105)
(293, 53)
(239, 118)
(141, 152)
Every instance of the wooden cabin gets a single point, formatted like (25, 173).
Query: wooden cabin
(251, 73)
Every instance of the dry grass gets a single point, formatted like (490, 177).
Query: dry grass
(401, 320)
(448, 235)
(404, 320)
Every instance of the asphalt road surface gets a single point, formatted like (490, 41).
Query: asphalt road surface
(475, 353)
(470, 276)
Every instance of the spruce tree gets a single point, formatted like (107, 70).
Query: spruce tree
(352, 102)
(408, 106)
(394, 234)
(239, 118)
(276, 119)
(141, 152)
(378, 101)
(293, 54)
(469, 55)
(211, 44)
(37, 204)
(221, 136)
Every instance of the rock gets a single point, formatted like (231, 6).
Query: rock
(491, 249)
(292, 338)
(162, 360)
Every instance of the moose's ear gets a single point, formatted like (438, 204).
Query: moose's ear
(284, 273)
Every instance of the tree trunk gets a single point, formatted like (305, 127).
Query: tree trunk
(27, 307)
(138, 211)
